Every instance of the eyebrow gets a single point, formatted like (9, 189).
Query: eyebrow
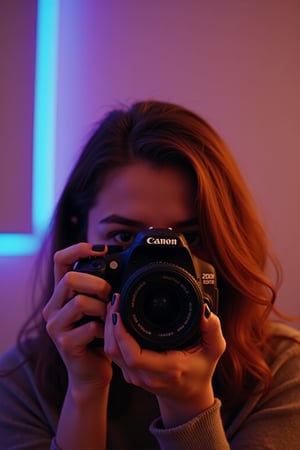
(115, 218)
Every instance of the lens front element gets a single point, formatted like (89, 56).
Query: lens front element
(161, 305)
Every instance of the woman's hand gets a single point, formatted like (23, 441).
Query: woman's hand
(181, 380)
(75, 295)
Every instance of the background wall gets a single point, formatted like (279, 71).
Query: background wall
(236, 63)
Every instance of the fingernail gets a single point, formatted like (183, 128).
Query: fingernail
(207, 311)
(114, 318)
(98, 248)
(113, 299)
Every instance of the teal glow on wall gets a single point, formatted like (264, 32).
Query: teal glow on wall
(44, 128)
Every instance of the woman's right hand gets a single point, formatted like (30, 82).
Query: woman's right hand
(75, 295)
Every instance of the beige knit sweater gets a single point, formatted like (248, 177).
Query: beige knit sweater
(269, 421)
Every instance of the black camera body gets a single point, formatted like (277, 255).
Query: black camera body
(163, 288)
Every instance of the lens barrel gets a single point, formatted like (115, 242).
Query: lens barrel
(161, 306)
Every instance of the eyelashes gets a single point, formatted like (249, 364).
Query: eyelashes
(123, 237)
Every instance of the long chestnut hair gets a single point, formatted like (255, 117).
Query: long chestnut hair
(233, 239)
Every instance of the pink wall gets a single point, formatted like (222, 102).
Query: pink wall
(17, 53)
(234, 62)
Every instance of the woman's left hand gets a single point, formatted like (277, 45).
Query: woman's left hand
(181, 380)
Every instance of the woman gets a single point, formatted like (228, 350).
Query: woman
(236, 386)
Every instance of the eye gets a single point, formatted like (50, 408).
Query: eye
(122, 237)
(192, 237)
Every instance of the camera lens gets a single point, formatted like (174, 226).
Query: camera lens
(161, 306)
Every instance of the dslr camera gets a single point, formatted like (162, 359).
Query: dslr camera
(163, 288)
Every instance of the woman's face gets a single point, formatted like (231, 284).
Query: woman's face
(140, 196)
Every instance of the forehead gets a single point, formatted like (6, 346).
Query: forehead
(147, 193)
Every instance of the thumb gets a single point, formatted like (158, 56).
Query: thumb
(213, 341)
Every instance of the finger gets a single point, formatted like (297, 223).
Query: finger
(115, 332)
(212, 337)
(65, 259)
(110, 343)
(74, 311)
(75, 340)
(73, 283)
(125, 351)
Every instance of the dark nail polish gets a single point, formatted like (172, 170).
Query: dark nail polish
(207, 311)
(113, 299)
(98, 248)
(114, 318)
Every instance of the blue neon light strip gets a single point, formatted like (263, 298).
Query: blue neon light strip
(45, 114)
(43, 133)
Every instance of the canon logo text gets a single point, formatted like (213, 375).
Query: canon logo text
(161, 241)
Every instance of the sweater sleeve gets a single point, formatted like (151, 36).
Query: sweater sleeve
(266, 421)
(26, 422)
(272, 420)
(204, 432)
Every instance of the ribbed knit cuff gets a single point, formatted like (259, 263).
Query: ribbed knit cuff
(203, 432)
